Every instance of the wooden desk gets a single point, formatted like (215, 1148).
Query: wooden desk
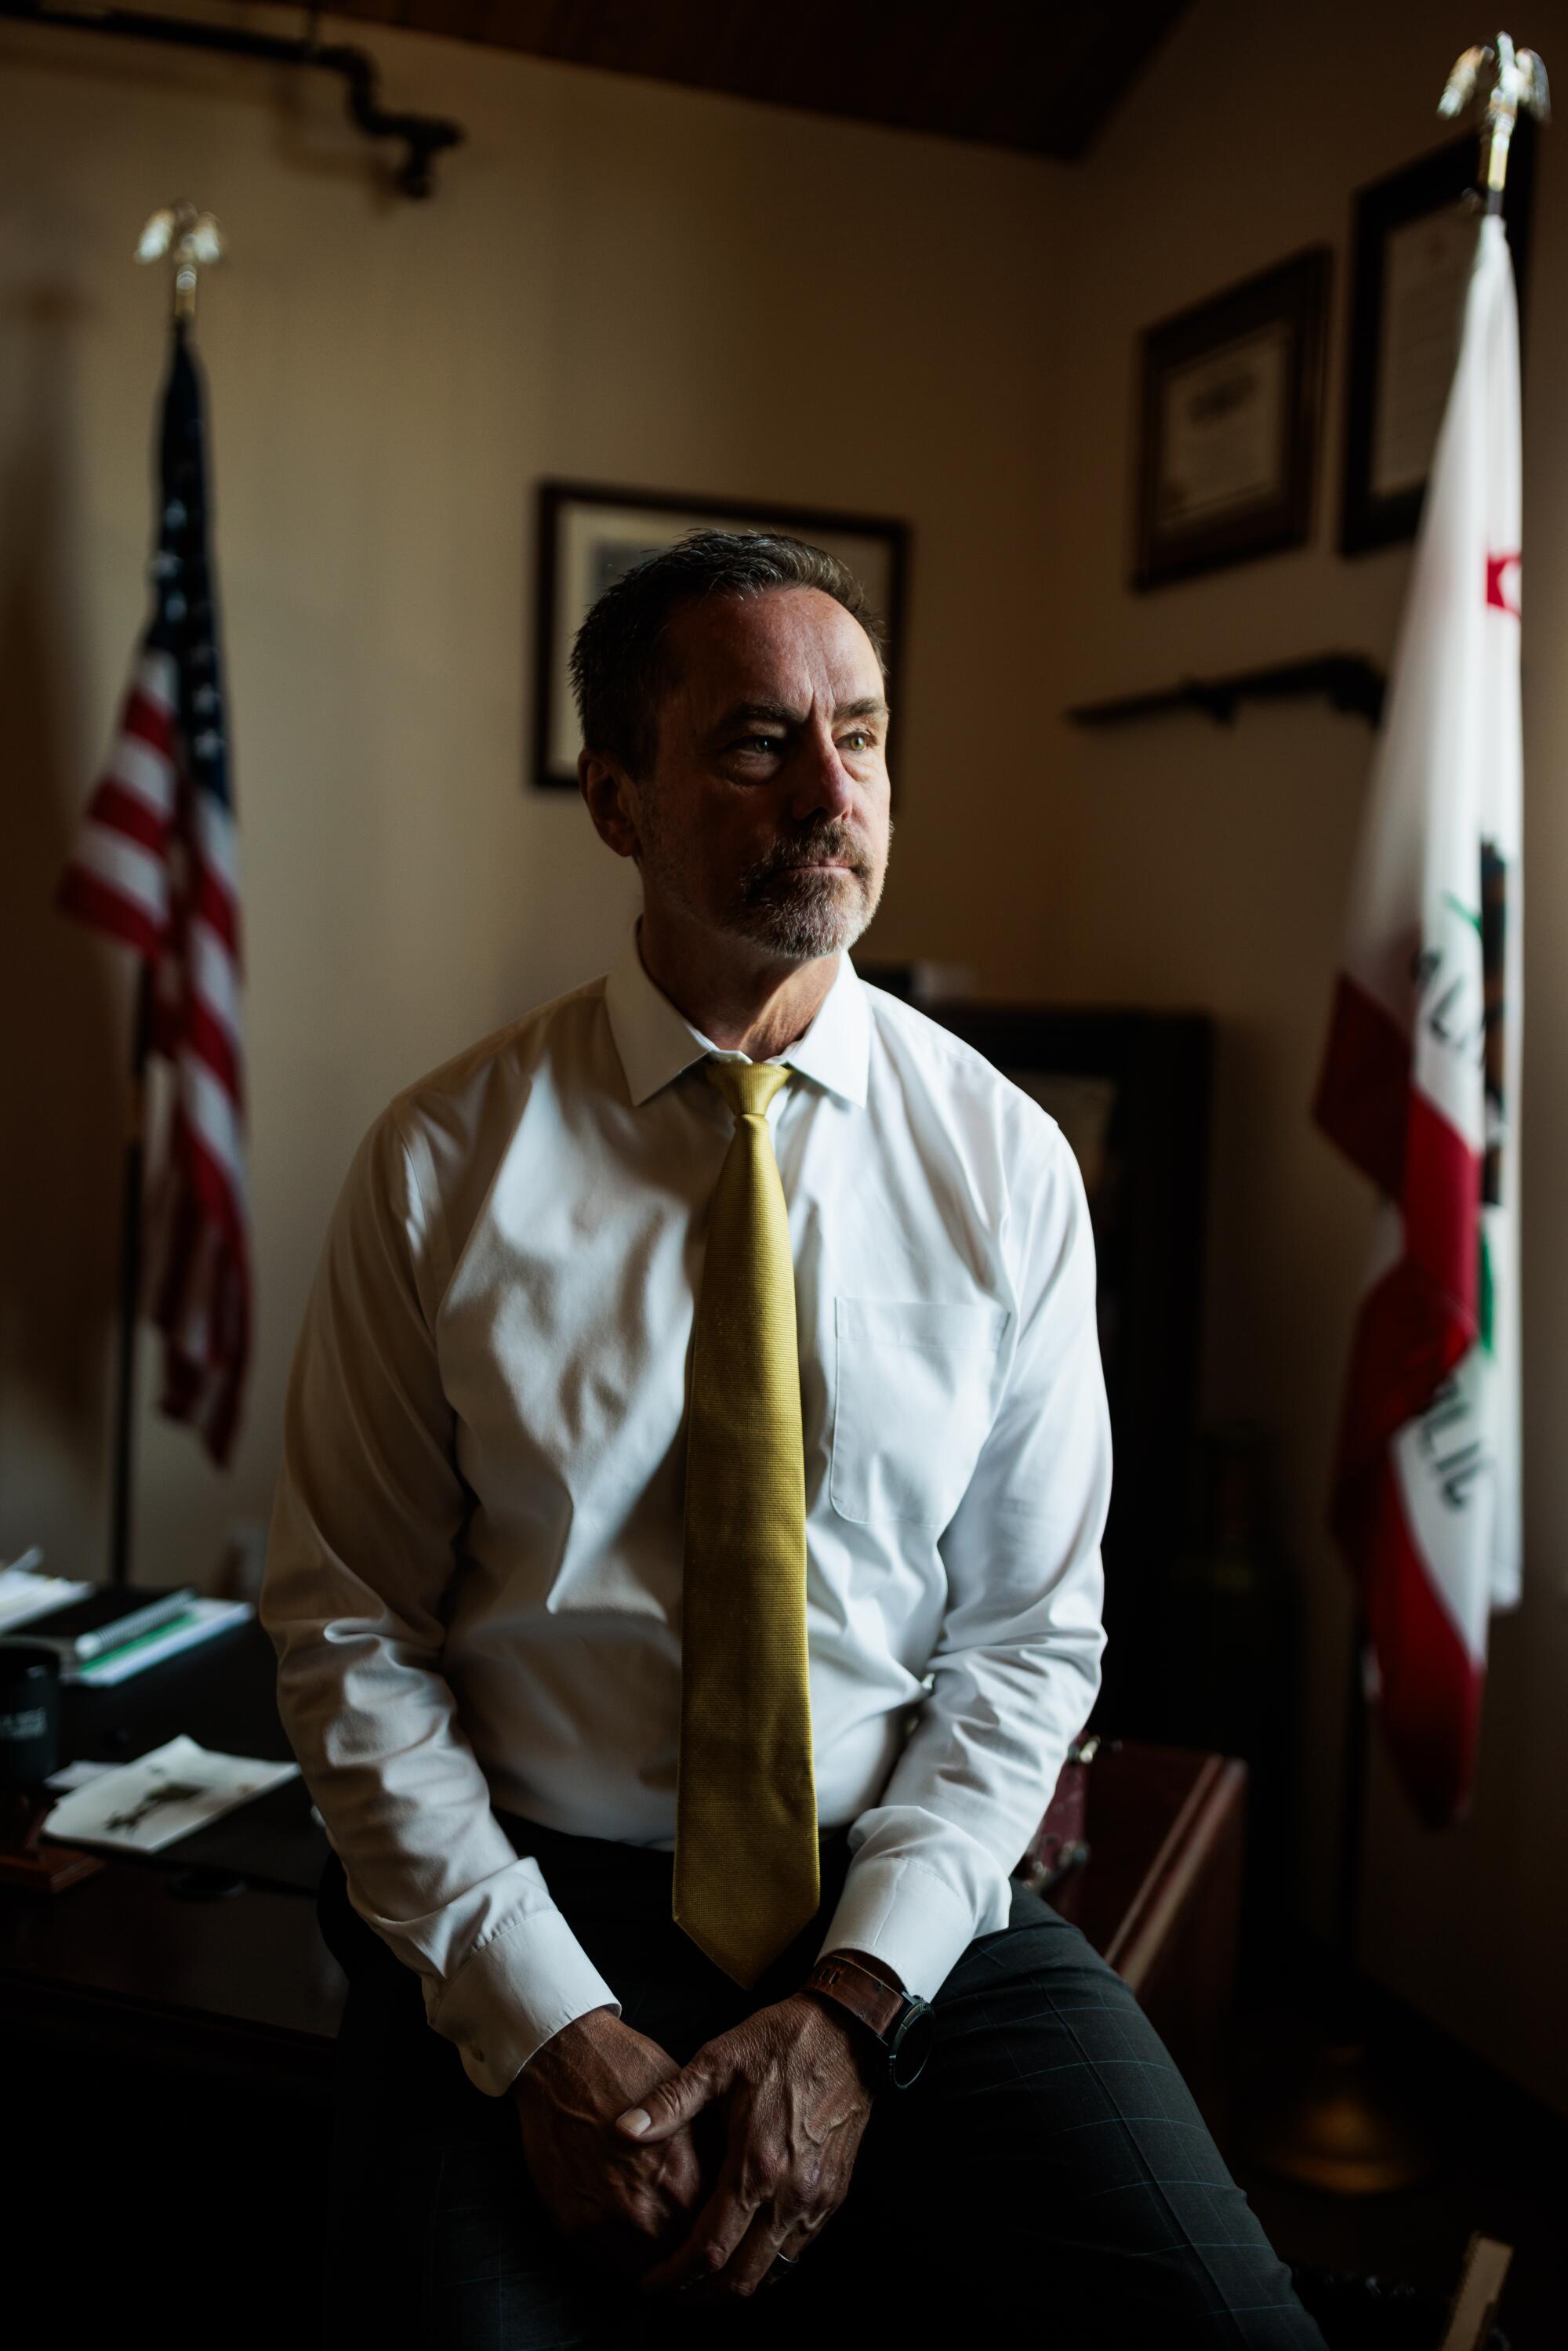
(248, 1981)
(138, 2026)
(229, 1988)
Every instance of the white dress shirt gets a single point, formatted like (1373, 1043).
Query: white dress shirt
(474, 1579)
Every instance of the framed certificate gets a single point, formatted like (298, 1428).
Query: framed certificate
(1414, 238)
(1230, 398)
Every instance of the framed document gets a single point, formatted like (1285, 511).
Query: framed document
(1227, 440)
(1414, 239)
(589, 535)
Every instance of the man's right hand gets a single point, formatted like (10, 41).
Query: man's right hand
(606, 2194)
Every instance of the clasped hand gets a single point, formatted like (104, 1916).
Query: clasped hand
(694, 2179)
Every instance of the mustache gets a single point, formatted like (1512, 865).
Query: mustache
(822, 842)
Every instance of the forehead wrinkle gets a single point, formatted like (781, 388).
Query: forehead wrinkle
(779, 711)
(796, 654)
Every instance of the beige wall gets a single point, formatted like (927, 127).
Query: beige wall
(640, 285)
(615, 282)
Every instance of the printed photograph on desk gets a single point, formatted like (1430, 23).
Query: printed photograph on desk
(143, 1806)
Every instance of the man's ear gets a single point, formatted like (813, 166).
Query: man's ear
(611, 801)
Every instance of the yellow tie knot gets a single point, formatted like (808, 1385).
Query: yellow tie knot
(747, 1086)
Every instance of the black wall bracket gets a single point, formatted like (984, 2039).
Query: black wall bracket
(424, 136)
(1348, 682)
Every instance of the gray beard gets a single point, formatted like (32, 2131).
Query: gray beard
(804, 915)
(799, 916)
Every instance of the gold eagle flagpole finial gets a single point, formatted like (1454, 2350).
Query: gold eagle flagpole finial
(1519, 80)
(192, 241)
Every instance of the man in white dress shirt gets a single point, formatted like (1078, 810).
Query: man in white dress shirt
(475, 1588)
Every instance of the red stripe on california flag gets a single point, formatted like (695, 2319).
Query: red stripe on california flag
(1408, 1338)
(1415, 1325)
(1359, 1101)
(1394, 1133)
(1431, 1687)
(1442, 1205)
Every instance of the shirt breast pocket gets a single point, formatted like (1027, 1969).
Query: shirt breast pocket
(915, 1393)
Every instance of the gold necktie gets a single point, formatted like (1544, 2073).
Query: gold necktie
(746, 1820)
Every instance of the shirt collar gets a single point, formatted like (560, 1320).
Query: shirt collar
(655, 1042)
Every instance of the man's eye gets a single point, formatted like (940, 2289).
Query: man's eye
(758, 743)
(860, 737)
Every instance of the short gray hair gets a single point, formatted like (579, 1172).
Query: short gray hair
(619, 672)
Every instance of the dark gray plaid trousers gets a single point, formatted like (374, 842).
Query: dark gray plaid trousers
(1048, 2168)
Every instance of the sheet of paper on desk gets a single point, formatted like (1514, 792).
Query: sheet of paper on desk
(78, 1774)
(26, 1593)
(143, 1806)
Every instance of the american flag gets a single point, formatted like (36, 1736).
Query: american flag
(155, 867)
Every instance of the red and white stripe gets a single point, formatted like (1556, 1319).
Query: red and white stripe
(155, 867)
(118, 879)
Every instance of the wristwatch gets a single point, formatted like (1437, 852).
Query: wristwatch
(902, 2025)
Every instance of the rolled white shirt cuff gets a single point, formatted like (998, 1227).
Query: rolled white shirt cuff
(515, 1992)
(896, 1910)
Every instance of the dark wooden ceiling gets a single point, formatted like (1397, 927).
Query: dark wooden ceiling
(1030, 74)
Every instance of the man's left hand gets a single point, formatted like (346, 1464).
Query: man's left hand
(797, 2100)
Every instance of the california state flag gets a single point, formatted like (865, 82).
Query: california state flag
(1420, 1087)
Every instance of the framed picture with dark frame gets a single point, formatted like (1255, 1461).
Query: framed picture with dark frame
(1230, 399)
(588, 534)
(1413, 238)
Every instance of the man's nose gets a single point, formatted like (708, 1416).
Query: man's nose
(823, 785)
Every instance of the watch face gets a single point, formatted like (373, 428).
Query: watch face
(911, 2045)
